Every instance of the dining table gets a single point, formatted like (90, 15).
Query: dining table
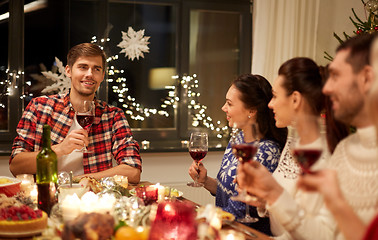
(248, 232)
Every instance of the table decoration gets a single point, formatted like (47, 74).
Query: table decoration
(231, 235)
(174, 220)
(132, 212)
(67, 189)
(149, 194)
(27, 182)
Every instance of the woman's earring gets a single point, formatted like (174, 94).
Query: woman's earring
(249, 116)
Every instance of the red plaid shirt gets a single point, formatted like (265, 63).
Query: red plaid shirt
(109, 135)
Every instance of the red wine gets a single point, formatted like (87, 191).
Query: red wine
(244, 151)
(46, 196)
(85, 120)
(306, 158)
(198, 155)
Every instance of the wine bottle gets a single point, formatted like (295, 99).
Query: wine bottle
(47, 173)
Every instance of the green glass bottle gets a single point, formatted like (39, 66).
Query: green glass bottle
(47, 173)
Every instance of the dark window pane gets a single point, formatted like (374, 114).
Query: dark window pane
(146, 78)
(214, 58)
(4, 28)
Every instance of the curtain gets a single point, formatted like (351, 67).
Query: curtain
(282, 29)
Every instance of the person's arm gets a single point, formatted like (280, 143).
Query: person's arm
(125, 151)
(132, 173)
(286, 209)
(199, 173)
(325, 182)
(25, 162)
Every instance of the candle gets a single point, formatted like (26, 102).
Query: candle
(105, 204)
(174, 220)
(161, 192)
(27, 181)
(34, 193)
(66, 189)
(89, 202)
(231, 235)
(70, 207)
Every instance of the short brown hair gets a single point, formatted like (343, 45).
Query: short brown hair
(85, 49)
(359, 50)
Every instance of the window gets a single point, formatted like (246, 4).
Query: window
(209, 41)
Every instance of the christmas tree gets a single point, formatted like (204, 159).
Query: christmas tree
(370, 25)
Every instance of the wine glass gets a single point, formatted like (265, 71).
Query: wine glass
(85, 116)
(244, 152)
(198, 146)
(308, 141)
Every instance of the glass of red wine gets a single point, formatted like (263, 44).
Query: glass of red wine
(244, 152)
(85, 117)
(308, 141)
(198, 146)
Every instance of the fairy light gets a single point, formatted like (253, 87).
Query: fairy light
(138, 112)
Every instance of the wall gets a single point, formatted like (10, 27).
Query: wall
(334, 17)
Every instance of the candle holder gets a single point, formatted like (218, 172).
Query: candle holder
(67, 189)
(27, 183)
(148, 194)
(174, 220)
(231, 235)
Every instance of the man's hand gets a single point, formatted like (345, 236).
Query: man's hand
(323, 181)
(76, 139)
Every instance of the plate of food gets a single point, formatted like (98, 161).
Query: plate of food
(9, 186)
(209, 212)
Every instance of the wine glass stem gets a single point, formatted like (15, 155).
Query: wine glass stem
(246, 208)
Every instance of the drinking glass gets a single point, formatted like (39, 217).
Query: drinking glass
(148, 194)
(244, 152)
(308, 141)
(198, 146)
(85, 117)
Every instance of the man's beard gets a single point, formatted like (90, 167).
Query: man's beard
(352, 108)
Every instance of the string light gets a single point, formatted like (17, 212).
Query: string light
(138, 112)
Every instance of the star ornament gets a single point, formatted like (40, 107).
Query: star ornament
(134, 44)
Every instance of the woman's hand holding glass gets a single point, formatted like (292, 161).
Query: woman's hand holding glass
(258, 181)
(244, 152)
(198, 147)
(198, 172)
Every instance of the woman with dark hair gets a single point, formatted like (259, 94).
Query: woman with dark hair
(246, 104)
(297, 97)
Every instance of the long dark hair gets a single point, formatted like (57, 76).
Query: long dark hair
(302, 74)
(256, 93)
(336, 130)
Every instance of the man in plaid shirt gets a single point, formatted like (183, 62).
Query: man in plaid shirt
(109, 138)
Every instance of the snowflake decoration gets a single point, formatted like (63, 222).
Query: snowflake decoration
(134, 44)
(62, 82)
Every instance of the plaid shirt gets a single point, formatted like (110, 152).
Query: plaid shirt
(109, 136)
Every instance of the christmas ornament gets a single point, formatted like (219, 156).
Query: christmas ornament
(62, 82)
(134, 44)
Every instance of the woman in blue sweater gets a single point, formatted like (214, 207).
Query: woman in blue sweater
(246, 104)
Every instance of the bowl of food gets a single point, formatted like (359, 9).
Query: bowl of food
(9, 186)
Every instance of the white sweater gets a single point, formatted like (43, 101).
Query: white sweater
(299, 215)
